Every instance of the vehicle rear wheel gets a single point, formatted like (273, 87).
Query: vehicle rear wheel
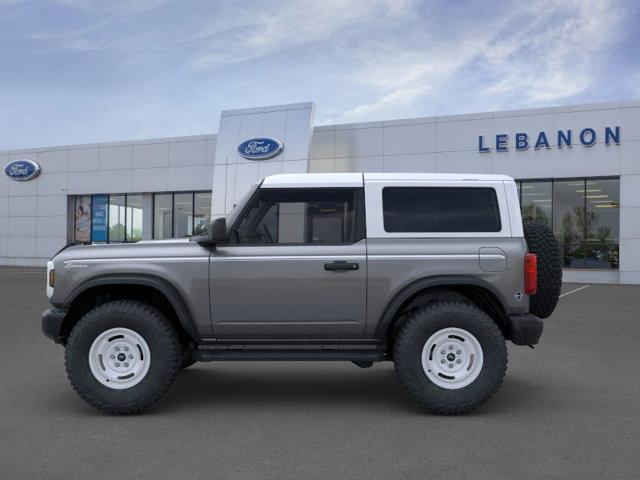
(451, 357)
(122, 356)
(542, 242)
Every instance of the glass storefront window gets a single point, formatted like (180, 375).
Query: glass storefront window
(182, 215)
(572, 255)
(201, 212)
(536, 202)
(603, 223)
(603, 211)
(162, 215)
(584, 215)
(134, 218)
(117, 218)
(568, 211)
(602, 256)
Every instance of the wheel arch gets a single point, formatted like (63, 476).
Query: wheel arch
(148, 288)
(425, 290)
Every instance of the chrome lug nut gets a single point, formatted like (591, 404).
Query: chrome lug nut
(450, 347)
(451, 365)
(442, 352)
(442, 361)
(117, 364)
(126, 364)
(113, 356)
(117, 349)
(130, 356)
(126, 349)
(458, 352)
(458, 361)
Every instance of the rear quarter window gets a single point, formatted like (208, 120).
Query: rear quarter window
(440, 209)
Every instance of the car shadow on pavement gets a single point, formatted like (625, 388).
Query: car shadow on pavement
(246, 387)
(220, 387)
(316, 386)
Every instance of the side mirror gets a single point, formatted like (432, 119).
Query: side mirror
(216, 233)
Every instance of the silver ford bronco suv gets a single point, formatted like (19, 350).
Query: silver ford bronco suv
(434, 272)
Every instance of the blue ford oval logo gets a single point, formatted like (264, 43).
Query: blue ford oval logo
(260, 148)
(22, 170)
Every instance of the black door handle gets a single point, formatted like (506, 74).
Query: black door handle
(341, 265)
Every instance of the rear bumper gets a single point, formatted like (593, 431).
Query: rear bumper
(52, 320)
(524, 329)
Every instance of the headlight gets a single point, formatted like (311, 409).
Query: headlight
(51, 279)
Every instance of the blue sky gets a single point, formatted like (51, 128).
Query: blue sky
(76, 71)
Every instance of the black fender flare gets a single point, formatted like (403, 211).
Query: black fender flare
(409, 290)
(185, 317)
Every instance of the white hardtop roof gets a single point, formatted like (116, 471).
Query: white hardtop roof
(292, 180)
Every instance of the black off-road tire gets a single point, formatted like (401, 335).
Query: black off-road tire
(153, 327)
(410, 341)
(542, 242)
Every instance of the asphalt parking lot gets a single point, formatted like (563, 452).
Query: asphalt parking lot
(568, 409)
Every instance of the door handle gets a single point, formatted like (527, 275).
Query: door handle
(341, 265)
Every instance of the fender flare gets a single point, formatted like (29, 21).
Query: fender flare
(407, 291)
(158, 283)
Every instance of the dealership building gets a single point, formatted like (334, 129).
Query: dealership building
(577, 169)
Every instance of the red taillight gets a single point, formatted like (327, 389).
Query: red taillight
(530, 273)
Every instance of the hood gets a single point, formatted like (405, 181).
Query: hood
(142, 249)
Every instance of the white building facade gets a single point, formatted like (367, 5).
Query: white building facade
(578, 169)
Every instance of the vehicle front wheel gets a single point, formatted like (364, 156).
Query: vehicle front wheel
(122, 356)
(451, 357)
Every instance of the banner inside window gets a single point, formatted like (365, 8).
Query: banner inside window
(99, 218)
(82, 223)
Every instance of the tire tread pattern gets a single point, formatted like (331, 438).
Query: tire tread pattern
(542, 242)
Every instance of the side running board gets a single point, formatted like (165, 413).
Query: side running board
(289, 354)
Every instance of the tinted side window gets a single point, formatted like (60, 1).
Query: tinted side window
(311, 216)
(440, 209)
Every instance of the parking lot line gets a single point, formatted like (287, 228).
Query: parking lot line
(574, 291)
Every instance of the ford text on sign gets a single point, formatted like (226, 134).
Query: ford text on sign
(260, 148)
(22, 170)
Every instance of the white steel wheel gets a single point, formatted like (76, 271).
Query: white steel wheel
(452, 358)
(119, 358)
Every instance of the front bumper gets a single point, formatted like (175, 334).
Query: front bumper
(524, 329)
(52, 320)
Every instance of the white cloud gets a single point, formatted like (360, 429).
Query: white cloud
(218, 33)
(112, 5)
(165, 67)
(554, 63)
(288, 24)
(406, 76)
(544, 52)
(397, 98)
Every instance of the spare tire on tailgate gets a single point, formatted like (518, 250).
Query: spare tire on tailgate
(542, 242)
